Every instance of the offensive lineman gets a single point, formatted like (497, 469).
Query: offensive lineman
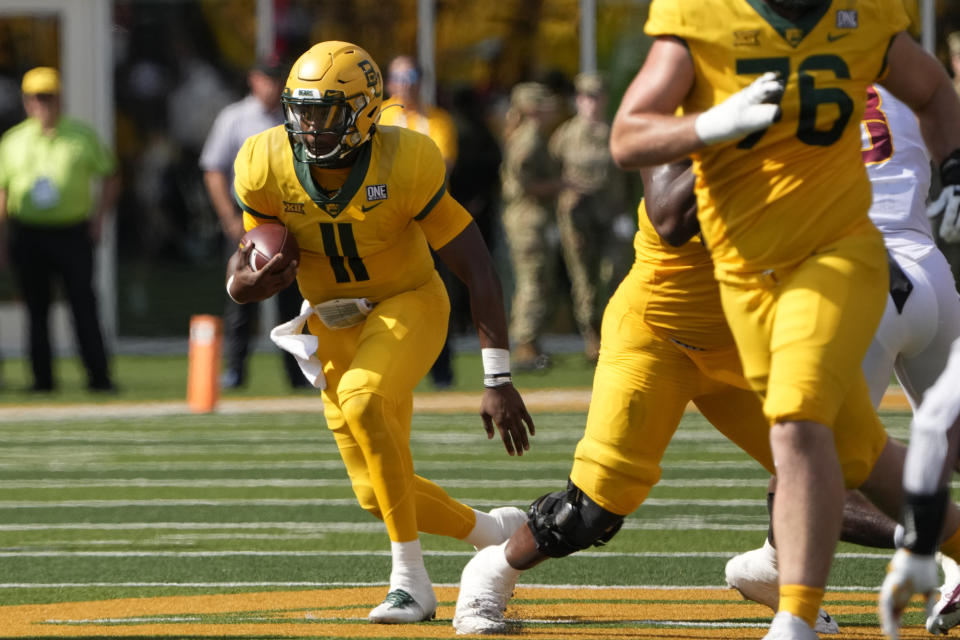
(772, 93)
(922, 316)
(366, 204)
(664, 342)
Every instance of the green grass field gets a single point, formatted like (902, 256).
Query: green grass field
(136, 517)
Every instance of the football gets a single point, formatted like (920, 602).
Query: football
(269, 240)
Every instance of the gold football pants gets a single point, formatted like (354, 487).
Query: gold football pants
(802, 335)
(641, 388)
(371, 371)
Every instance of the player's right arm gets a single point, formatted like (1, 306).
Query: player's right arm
(251, 174)
(670, 201)
(919, 79)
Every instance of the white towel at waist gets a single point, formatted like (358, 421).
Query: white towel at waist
(289, 336)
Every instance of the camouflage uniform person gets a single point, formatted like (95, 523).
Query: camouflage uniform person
(594, 193)
(530, 184)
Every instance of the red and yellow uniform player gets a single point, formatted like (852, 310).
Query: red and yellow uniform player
(366, 204)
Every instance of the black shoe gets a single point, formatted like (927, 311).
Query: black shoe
(231, 379)
(102, 386)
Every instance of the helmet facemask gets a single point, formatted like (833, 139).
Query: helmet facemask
(323, 129)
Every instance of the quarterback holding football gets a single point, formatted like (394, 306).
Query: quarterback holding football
(365, 205)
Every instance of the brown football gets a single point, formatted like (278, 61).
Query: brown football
(269, 240)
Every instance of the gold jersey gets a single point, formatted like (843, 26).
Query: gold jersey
(772, 198)
(372, 238)
(675, 291)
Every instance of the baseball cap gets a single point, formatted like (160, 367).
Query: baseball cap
(41, 80)
(270, 65)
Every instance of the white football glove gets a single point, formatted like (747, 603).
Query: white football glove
(949, 205)
(907, 574)
(746, 111)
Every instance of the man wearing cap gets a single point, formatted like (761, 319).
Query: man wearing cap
(593, 195)
(47, 210)
(530, 185)
(257, 112)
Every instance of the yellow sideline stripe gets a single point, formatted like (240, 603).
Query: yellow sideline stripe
(341, 613)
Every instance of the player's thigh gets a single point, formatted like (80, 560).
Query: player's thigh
(399, 342)
(641, 387)
(931, 316)
(738, 414)
(858, 434)
(818, 321)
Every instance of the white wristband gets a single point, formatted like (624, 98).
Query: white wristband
(495, 361)
(230, 286)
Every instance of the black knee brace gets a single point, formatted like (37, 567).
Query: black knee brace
(567, 521)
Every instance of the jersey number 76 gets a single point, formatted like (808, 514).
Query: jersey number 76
(811, 97)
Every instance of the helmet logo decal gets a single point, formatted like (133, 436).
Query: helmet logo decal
(373, 77)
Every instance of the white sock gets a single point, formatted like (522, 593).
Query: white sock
(485, 532)
(500, 566)
(409, 572)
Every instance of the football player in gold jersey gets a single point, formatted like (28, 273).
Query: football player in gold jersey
(665, 343)
(772, 92)
(366, 204)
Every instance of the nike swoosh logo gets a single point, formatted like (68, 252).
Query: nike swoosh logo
(365, 208)
(833, 37)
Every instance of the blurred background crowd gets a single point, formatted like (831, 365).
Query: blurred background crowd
(509, 73)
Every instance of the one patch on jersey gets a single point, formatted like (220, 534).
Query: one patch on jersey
(747, 38)
(293, 207)
(332, 208)
(376, 192)
(847, 19)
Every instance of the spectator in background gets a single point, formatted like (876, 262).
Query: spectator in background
(47, 163)
(530, 187)
(475, 183)
(593, 195)
(259, 111)
(405, 108)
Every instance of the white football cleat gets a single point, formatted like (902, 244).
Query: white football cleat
(754, 574)
(399, 607)
(946, 613)
(786, 626)
(483, 595)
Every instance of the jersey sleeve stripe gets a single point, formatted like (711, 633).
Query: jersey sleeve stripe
(433, 202)
(250, 210)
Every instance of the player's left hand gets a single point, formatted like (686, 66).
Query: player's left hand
(503, 407)
(949, 205)
(907, 574)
